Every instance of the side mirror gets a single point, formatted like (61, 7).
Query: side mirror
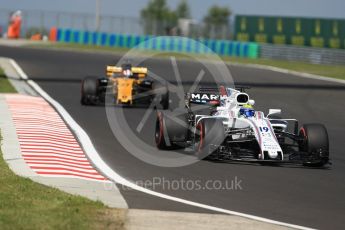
(274, 112)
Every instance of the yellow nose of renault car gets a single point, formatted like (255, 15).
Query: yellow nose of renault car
(124, 90)
(125, 85)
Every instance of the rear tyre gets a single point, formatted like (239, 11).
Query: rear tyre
(171, 131)
(89, 89)
(160, 132)
(209, 136)
(315, 143)
(162, 97)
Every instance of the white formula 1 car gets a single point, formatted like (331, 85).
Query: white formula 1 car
(221, 124)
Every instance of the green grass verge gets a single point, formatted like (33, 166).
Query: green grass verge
(333, 71)
(25, 204)
(77, 47)
(5, 85)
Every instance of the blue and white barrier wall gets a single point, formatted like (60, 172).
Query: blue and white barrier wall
(166, 43)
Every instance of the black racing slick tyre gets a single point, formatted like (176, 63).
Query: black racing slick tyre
(160, 132)
(161, 96)
(209, 134)
(89, 89)
(171, 131)
(315, 143)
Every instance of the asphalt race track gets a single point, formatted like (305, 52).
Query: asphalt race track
(297, 195)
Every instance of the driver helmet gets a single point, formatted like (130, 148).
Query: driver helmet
(127, 70)
(247, 112)
(248, 106)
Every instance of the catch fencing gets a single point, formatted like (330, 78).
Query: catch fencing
(124, 31)
(41, 21)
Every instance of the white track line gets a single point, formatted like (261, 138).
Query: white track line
(102, 166)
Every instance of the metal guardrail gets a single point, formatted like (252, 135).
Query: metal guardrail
(305, 54)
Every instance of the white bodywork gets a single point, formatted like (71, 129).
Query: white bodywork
(259, 125)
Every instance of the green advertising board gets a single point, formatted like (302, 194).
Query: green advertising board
(313, 32)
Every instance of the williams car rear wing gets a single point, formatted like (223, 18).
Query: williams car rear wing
(213, 95)
(205, 95)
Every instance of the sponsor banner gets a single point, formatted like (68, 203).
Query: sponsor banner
(315, 32)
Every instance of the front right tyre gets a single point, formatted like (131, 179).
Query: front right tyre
(314, 142)
(209, 135)
(89, 90)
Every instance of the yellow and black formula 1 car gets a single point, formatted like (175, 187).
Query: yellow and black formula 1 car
(128, 86)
